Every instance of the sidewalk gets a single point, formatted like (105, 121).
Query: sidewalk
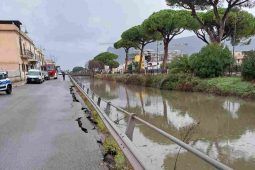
(19, 83)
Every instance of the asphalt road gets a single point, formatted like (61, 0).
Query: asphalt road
(38, 130)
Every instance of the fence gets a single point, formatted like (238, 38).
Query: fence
(137, 164)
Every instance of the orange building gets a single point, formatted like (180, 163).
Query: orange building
(17, 51)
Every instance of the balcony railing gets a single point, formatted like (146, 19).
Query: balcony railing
(28, 54)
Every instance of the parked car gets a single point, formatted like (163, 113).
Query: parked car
(60, 72)
(5, 83)
(46, 75)
(35, 76)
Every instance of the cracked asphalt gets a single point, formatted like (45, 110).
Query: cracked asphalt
(38, 130)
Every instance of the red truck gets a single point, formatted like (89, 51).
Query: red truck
(51, 69)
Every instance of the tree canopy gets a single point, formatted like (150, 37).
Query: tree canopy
(215, 32)
(170, 23)
(94, 64)
(140, 36)
(108, 59)
(240, 24)
(77, 69)
(126, 45)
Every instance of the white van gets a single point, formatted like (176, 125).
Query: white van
(35, 76)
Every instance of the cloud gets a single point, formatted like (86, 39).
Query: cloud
(73, 30)
(29, 4)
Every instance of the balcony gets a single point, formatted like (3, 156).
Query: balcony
(27, 55)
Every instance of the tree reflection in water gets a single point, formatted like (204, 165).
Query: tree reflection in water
(226, 131)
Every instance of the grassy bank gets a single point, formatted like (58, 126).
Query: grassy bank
(110, 146)
(225, 86)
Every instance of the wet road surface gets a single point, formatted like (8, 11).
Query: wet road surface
(38, 130)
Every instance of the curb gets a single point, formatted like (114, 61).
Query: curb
(18, 84)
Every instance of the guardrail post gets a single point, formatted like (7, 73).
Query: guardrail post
(87, 90)
(93, 95)
(130, 127)
(108, 107)
(99, 101)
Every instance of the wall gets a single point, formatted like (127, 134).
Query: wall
(9, 50)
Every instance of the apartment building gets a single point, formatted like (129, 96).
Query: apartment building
(156, 58)
(18, 52)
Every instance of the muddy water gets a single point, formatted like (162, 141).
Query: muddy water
(225, 127)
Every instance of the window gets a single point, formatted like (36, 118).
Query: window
(34, 73)
(2, 76)
(23, 67)
(50, 67)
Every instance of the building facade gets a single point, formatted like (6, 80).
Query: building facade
(239, 56)
(18, 52)
(156, 58)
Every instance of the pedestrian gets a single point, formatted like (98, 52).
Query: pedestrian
(64, 75)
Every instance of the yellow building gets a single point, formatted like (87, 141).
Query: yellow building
(136, 58)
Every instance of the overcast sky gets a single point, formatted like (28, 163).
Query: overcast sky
(73, 30)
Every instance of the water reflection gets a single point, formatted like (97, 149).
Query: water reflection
(232, 108)
(242, 148)
(226, 131)
(178, 119)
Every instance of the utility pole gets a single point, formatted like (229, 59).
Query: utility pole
(157, 57)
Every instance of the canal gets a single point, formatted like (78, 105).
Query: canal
(221, 127)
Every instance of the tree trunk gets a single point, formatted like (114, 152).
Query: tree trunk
(166, 43)
(142, 103)
(127, 98)
(141, 59)
(216, 38)
(126, 61)
(221, 32)
(165, 109)
(93, 73)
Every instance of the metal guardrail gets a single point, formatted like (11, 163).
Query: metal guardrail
(131, 126)
(124, 143)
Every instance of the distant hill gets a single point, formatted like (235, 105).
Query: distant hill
(188, 45)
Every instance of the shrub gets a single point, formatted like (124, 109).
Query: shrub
(211, 61)
(248, 67)
(184, 82)
(180, 65)
(153, 80)
(135, 80)
(133, 67)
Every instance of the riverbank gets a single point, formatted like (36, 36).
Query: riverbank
(224, 86)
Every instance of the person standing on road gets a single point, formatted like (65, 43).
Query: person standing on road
(64, 75)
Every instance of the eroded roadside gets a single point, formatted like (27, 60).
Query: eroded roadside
(113, 157)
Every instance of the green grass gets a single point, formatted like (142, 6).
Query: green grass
(109, 144)
(232, 86)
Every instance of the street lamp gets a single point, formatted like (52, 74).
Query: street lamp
(234, 39)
